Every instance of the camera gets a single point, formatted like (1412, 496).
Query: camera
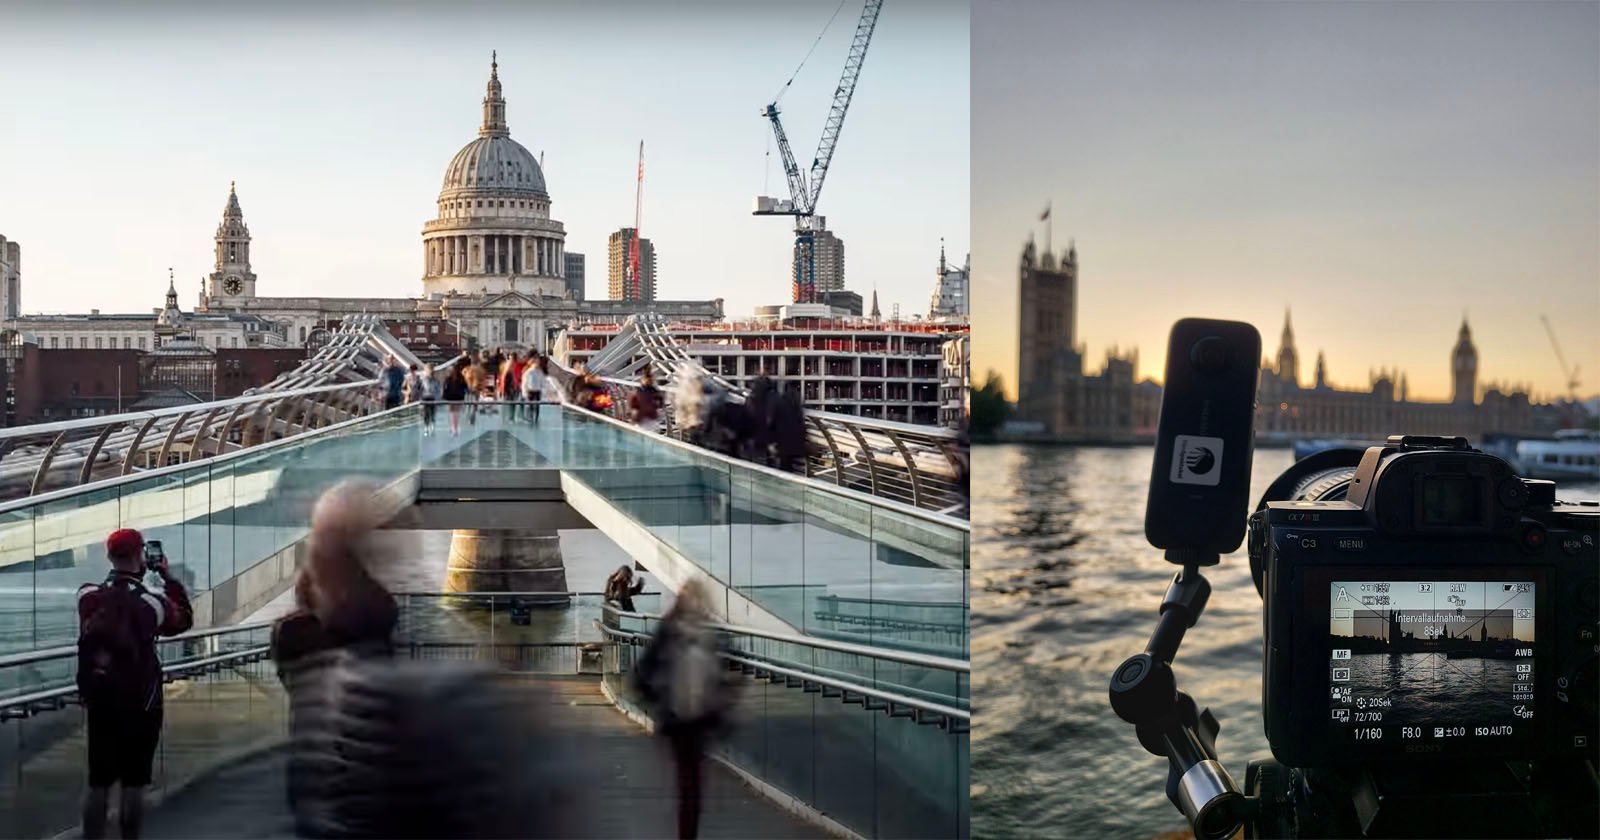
(1426, 603)
(153, 554)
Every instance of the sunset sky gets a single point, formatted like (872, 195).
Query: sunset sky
(1381, 168)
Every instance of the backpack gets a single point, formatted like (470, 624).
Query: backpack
(114, 663)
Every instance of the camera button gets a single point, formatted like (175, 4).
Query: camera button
(1308, 543)
(1533, 538)
(1580, 740)
(1350, 543)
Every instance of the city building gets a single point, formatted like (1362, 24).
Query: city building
(955, 382)
(950, 291)
(574, 275)
(40, 385)
(886, 371)
(828, 250)
(843, 301)
(619, 250)
(1287, 410)
(1056, 398)
(10, 279)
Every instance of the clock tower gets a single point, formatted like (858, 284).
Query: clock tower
(233, 278)
(1464, 368)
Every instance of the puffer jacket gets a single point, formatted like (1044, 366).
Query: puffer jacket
(385, 747)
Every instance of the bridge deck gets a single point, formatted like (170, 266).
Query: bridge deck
(247, 799)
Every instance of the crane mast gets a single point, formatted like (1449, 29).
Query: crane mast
(633, 290)
(804, 191)
(1569, 374)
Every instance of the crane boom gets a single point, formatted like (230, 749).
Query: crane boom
(841, 98)
(1570, 374)
(797, 179)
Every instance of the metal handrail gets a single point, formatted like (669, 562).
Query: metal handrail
(168, 671)
(941, 663)
(814, 483)
(68, 651)
(842, 685)
(38, 429)
(65, 492)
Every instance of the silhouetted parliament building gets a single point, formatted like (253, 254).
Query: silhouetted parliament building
(1058, 400)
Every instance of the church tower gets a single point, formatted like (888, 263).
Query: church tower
(1288, 362)
(232, 278)
(1464, 368)
(1322, 371)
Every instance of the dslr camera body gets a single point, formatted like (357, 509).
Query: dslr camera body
(1430, 646)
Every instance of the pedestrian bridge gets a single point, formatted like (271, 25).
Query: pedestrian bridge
(846, 615)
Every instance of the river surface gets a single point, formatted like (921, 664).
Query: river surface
(1065, 588)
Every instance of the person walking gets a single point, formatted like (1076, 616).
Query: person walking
(511, 384)
(682, 680)
(413, 386)
(428, 384)
(392, 378)
(535, 379)
(455, 392)
(384, 746)
(644, 407)
(477, 376)
(119, 674)
(621, 587)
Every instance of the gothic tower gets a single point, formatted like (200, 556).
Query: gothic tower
(1322, 371)
(1288, 362)
(1464, 368)
(233, 277)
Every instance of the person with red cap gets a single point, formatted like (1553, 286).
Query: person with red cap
(119, 674)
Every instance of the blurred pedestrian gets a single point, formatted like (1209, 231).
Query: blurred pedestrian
(681, 678)
(455, 391)
(789, 431)
(644, 406)
(392, 378)
(429, 386)
(119, 674)
(689, 405)
(535, 379)
(389, 747)
(476, 374)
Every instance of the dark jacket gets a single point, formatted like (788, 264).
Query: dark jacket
(386, 747)
(661, 667)
(165, 614)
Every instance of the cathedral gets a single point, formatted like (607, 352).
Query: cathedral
(494, 274)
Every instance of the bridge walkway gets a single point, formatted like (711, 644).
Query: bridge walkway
(246, 798)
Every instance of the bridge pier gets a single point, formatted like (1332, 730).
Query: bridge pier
(506, 560)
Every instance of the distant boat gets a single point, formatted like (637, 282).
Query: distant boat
(1574, 455)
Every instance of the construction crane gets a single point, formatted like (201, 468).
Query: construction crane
(1571, 374)
(632, 288)
(804, 191)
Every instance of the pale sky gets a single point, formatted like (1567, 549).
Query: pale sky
(120, 128)
(1381, 168)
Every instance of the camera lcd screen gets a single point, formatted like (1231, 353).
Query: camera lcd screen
(1450, 500)
(1431, 661)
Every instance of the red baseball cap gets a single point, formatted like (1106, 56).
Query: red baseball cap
(124, 542)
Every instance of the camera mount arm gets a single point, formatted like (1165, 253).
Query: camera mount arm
(1144, 692)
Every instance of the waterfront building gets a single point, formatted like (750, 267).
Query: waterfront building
(619, 252)
(890, 371)
(10, 279)
(1287, 410)
(1056, 398)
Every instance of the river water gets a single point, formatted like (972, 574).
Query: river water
(1064, 588)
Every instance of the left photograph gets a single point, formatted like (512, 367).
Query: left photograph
(336, 501)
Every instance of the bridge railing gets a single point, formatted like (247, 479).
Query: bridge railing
(925, 466)
(337, 383)
(859, 735)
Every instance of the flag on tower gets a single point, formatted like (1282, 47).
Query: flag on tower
(1045, 214)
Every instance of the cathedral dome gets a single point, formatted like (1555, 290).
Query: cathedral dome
(495, 164)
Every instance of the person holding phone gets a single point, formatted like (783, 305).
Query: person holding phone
(119, 674)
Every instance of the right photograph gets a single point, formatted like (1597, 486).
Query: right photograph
(1285, 419)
